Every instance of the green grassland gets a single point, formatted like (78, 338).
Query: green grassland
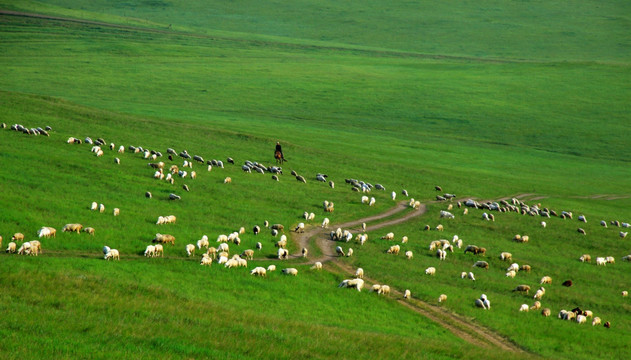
(487, 99)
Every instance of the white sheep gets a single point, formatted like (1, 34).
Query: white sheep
(222, 238)
(511, 274)
(101, 208)
(404, 240)
(11, 248)
(206, 260)
(596, 321)
(339, 251)
(524, 308)
(203, 242)
(271, 268)
(311, 216)
(231, 263)
(539, 294)
(623, 234)
(546, 280)
(94, 206)
(407, 294)
(581, 319)
(409, 254)
(290, 271)
(112, 254)
(514, 267)
(300, 228)
(610, 260)
(446, 214)
(150, 251)
(365, 199)
(483, 302)
(25, 249)
(430, 270)
(582, 218)
(352, 283)
(283, 254)
(223, 247)
(116, 211)
(159, 250)
(394, 196)
(359, 273)
(442, 298)
(471, 276)
(325, 223)
(190, 249)
(121, 149)
(543, 224)
(372, 201)
(384, 290)
(463, 275)
(259, 271)
(317, 266)
(625, 293)
(601, 261)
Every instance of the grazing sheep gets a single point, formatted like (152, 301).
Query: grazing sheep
(259, 271)
(409, 254)
(305, 252)
(524, 308)
(581, 319)
(353, 284)
(45, 231)
(339, 251)
(511, 274)
(610, 260)
(212, 252)
(283, 254)
(116, 211)
(325, 223)
(317, 266)
(227, 180)
(475, 250)
(394, 249)
(206, 260)
(404, 240)
(525, 268)
(430, 271)
(600, 261)
(203, 242)
(372, 201)
(442, 298)
(546, 280)
(248, 254)
(465, 211)
(471, 276)
(506, 256)
(522, 288)
(607, 325)
(582, 218)
(585, 258)
(446, 214)
(623, 234)
(150, 251)
(25, 249)
(190, 249)
(441, 254)
(483, 302)
(388, 236)
(539, 294)
(567, 283)
(112, 254)
(349, 252)
(164, 239)
(290, 271)
(543, 224)
(536, 306)
(271, 268)
(36, 247)
(223, 247)
(546, 312)
(596, 321)
(94, 206)
(481, 264)
(624, 258)
(17, 237)
(439, 227)
(72, 228)
(384, 290)
(375, 288)
(359, 273)
(514, 267)
(300, 228)
(581, 231)
(159, 250)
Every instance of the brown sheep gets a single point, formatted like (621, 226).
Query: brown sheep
(525, 268)
(17, 237)
(522, 288)
(546, 312)
(164, 239)
(73, 228)
(278, 227)
(89, 230)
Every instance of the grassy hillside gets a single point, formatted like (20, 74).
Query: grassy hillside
(486, 99)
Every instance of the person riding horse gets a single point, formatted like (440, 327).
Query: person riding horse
(278, 153)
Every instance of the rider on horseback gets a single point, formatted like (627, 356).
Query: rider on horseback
(279, 150)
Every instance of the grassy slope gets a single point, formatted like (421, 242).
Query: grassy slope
(468, 125)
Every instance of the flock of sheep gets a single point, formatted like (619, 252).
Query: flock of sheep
(222, 255)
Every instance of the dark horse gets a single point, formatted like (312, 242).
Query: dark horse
(279, 157)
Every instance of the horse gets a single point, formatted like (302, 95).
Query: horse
(279, 157)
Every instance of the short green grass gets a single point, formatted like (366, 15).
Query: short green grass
(483, 98)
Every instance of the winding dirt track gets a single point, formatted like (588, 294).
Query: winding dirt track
(456, 324)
